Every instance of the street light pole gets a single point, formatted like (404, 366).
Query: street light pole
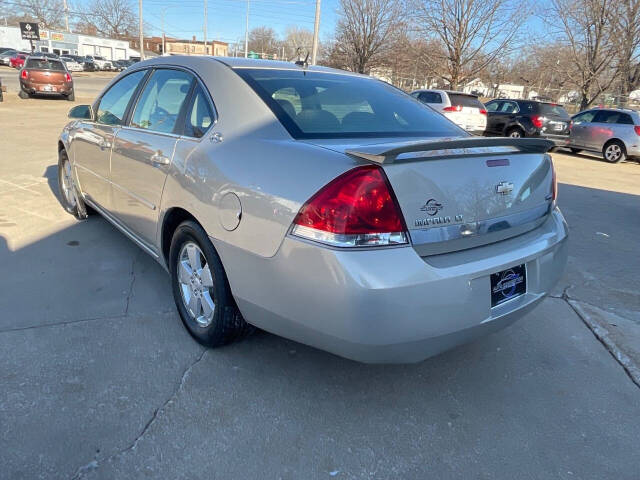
(316, 28)
(141, 33)
(206, 50)
(246, 34)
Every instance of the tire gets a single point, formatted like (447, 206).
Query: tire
(72, 96)
(202, 294)
(70, 197)
(24, 95)
(575, 150)
(515, 132)
(614, 151)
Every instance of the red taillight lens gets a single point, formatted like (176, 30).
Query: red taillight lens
(356, 209)
(483, 111)
(637, 129)
(554, 181)
(24, 74)
(537, 121)
(453, 108)
(67, 78)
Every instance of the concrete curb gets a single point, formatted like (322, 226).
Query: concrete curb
(599, 326)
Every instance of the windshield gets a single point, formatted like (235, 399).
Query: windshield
(329, 105)
(45, 64)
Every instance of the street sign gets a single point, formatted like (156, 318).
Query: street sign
(29, 31)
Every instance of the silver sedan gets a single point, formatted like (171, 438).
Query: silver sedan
(317, 204)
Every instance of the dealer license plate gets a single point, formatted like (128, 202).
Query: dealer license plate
(508, 284)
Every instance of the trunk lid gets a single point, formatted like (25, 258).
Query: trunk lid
(462, 193)
(46, 77)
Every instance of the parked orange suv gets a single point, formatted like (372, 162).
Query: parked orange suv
(46, 76)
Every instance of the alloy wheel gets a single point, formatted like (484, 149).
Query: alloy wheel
(613, 152)
(196, 284)
(68, 189)
(515, 134)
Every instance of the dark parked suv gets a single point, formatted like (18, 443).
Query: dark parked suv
(527, 118)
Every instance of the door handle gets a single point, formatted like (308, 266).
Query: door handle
(159, 159)
(104, 144)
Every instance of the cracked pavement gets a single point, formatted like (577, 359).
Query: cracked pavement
(99, 380)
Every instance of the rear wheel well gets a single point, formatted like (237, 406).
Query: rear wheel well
(60, 146)
(172, 219)
(615, 140)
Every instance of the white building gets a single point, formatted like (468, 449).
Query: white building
(63, 43)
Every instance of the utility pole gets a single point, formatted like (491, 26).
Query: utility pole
(164, 43)
(246, 34)
(141, 32)
(206, 50)
(316, 28)
(66, 15)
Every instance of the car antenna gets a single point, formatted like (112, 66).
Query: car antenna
(302, 63)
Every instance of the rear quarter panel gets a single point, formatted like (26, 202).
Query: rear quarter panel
(271, 174)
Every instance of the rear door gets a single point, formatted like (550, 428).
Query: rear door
(143, 150)
(93, 138)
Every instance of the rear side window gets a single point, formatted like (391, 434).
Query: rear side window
(430, 97)
(465, 101)
(608, 116)
(45, 64)
(509, 107)
(113, 104)
(199, 116)
(552, 109)
(161, 100)
(493, 106)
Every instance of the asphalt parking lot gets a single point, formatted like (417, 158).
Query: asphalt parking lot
(98, 378)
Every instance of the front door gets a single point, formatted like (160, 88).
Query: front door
(493, 114)
(94, 138)
(142, 151)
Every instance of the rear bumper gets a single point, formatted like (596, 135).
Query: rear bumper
(391, 305)
(33, 88)
(558, 140)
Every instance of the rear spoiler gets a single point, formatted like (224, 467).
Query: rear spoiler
(387, 153)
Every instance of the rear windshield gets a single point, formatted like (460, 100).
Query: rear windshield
(553, 109)
(45, 64)
(465, 100)
(327, 105)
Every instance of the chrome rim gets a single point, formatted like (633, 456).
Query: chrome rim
(515, 134)
(68, 189)
(613, 152)
(196, 284)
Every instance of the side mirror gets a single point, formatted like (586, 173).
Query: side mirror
(81, 112)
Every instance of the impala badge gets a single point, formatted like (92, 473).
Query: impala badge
(504, 188)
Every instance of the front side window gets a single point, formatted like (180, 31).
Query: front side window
(161, 100)
(113, 104)
(199, 116)
(329, 105)
(585, 117)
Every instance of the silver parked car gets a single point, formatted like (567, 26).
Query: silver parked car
(613, 132)
(317, 204)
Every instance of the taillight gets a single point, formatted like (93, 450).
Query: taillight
(24, 74)
(483, 111)
(637, 129)
(453, 108)
(67, 77)
(537, 121)
(357, 209)
(554, 181)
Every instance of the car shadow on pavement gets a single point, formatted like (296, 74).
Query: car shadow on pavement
(94, 359)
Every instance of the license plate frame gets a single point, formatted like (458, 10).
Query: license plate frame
(508, 284)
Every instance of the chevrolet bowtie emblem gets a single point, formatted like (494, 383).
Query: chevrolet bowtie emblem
(504, 188)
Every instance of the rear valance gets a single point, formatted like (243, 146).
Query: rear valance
(455, 147)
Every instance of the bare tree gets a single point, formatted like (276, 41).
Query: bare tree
(263, 40)
(585, 27)
(626, 37)
(112, 18)
(473, 33)
(366, 31)
(48, 12)
(297, 40)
